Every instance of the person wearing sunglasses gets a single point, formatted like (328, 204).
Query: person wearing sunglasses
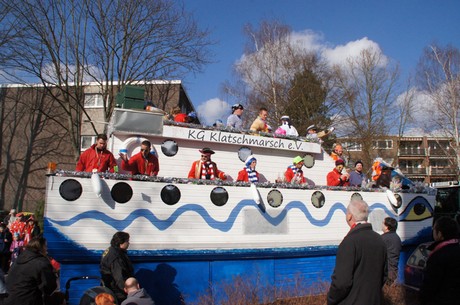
(142, 163)
(205, 168)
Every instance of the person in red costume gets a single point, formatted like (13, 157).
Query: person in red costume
(294, 173)
(249, 173)
(335, 177)
(97, 158)
(142, 163)
(205, 168)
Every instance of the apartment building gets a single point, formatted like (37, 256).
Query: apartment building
(34, 121)
(422, 158)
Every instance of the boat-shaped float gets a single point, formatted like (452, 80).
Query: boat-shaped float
(206, 232)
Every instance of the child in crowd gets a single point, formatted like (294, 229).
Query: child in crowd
(16, 247)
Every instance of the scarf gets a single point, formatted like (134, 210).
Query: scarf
(298, 173)
(252, 175)
(207, 170)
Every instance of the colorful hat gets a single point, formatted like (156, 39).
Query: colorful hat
(339, 162)
(249, 160)
(298, 159)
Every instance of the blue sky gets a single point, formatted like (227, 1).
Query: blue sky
(400, 28)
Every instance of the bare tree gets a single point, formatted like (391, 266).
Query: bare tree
(439, 78)
(364, 91)
(142, 40)
(50, 50)
(63, 44)
(265, 74)
(30, 140)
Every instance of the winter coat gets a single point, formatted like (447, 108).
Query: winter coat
(195, 171)
(441, 279)
(138, 297)
(91, 159)
(137, 165)
(360, 268)
(5, 245)
(393, 244)
(244, 176)
(30, 278)
(333, 178)
(259, 125)
(116, 268)
(289, 175)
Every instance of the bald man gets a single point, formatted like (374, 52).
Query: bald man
(136, 295)
(360, 269)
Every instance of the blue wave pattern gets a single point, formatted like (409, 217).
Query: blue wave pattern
(223, 226)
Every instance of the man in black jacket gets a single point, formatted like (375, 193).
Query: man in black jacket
(393, 243)
(31, 277)
(116, 266)
(360, 269)
(441, 280)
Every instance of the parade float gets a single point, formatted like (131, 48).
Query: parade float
(189, 236)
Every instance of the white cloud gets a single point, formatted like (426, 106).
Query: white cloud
(338, 55)
(303, 41)
(213, 109)
(308, 40)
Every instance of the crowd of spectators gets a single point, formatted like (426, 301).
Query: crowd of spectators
(16, 231)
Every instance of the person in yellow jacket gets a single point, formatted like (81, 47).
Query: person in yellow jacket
(260, 123)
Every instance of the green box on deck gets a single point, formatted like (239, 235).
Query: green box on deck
(131, 97)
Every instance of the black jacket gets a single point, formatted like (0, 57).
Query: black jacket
(393, 243)
(115, 269)
(360, 268)
(30, 278)
(441, 281)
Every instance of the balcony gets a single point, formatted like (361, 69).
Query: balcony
(438, 152)
(414, 170)
(443, 171)
(412, 152)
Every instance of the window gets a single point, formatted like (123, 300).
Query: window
(439, 163)
(410, 163)
(382, 144)
(93, 100)
(352, 146)
(87, 141)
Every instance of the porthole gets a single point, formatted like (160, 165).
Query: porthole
(121, 192)
(169, 148)
(219, 196)
(170, 194)
(318, 199)
(356, 196)
(275, 198)
(309, 161)
(243, 153)
(70, 189)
